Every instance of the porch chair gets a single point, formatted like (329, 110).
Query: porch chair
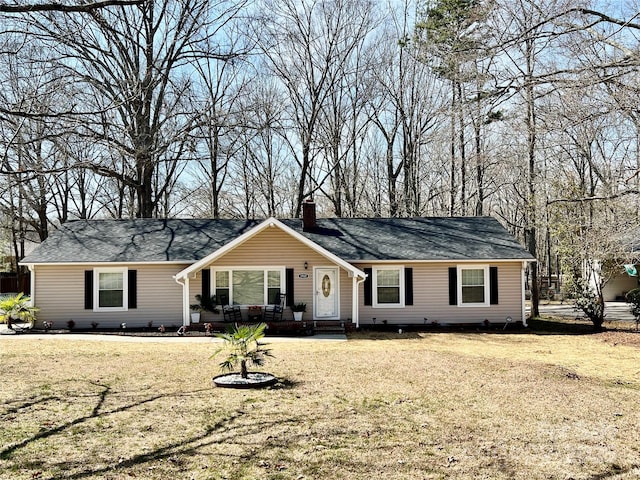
(273, 313)
(231, 313)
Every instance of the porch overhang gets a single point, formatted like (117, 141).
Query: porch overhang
(269, 223)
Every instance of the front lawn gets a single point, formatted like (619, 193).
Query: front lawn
(412, 406)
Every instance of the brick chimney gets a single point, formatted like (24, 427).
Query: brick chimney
(308, 215)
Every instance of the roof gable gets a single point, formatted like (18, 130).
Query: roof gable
(269, 223)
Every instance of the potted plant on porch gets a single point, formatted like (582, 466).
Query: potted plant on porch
(205, 304)
(298, 309)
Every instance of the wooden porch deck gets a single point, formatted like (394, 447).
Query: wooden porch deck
(285, 327)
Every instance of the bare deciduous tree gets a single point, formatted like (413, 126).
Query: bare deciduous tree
(132, 63)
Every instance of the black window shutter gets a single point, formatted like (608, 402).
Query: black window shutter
(206, 284)
(493, 285)
(453, 286)
(289, 286)
(132, 297)
(88, 289)
(408, 286)
(368, 287)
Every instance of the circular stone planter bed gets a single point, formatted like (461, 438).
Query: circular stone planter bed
(253, 380)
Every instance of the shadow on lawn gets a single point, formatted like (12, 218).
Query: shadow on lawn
(554, 326)
(614, 471)
(7, 451)
(285, 384)
(228, 429)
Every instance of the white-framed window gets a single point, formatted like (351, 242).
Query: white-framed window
(388, 286)
(473, 285)
(248, 285)
(110, 289)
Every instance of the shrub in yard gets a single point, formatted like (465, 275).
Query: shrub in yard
(16, 307)
(243, 346)
(633, 298)
(589, 301)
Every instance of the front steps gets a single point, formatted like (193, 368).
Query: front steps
(331, 326)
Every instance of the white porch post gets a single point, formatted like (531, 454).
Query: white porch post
(184, 281)
(185, 300)
(354, 301)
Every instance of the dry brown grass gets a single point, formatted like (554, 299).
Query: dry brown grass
(439, 405)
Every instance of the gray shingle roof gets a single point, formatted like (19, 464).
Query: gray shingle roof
(352, 239)
(139, 240)
(422, 238)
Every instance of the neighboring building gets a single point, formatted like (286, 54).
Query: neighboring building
(619, 273)
(12, 281)
(615, 289)
(360, 270)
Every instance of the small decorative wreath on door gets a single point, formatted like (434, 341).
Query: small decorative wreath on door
(326, 285)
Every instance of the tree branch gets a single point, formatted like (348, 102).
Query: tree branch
(606, 18)
(594, 198)
(59, 7)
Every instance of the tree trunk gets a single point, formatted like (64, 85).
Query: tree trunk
(530, 229)
(462, 149)
(243, 369)
(452, 152)
(144, 188)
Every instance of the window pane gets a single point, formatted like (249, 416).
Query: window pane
(110, 289)
(388, 295)
(111, 281)
(222, 296)
(272, 292)
(473, 276)
(473, 285)
(110, 298)
(222, 279)
(273, 278)
(248, 287)
(472, 294)
(388, 278)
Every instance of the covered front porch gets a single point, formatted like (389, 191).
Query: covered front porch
(269, 261)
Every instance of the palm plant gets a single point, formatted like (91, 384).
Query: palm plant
(205, 304)
(243, 346)
(16, 307)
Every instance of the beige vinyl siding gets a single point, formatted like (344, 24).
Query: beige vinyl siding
(274, 247)
(59, 293)
(431, 298)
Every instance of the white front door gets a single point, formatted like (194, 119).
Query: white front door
(327, 294)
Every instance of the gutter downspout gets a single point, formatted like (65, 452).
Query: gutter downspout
(355, 307)
(185, 299)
